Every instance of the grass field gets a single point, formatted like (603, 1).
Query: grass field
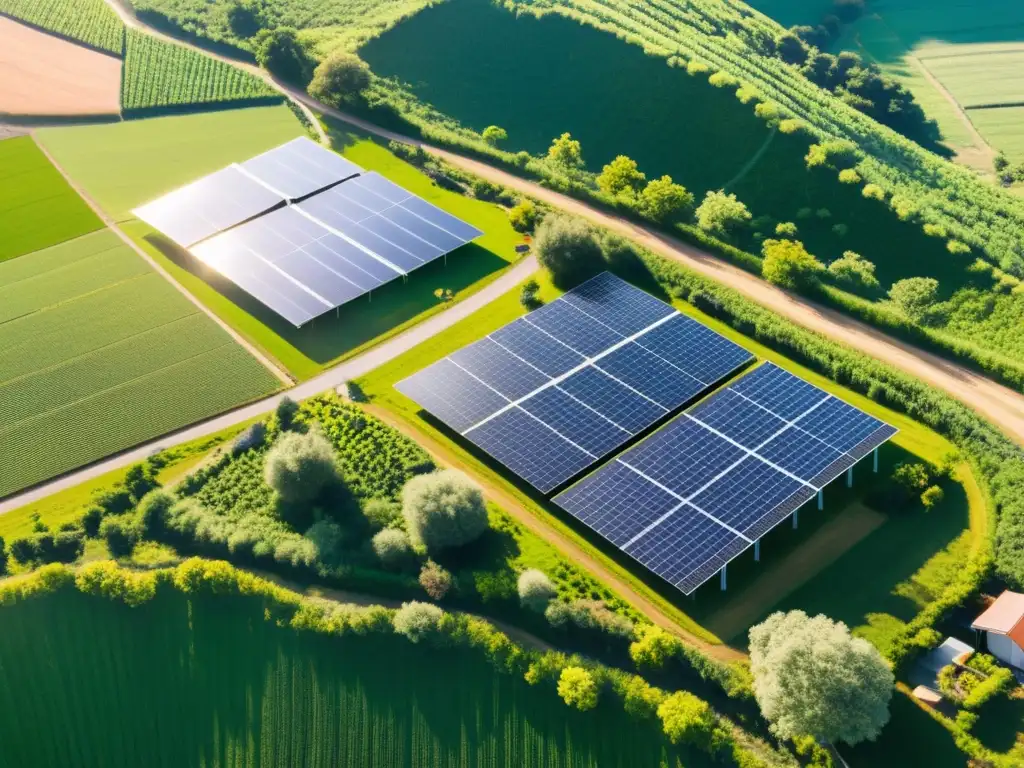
(208, 681)
(37, 206)
(912, 568)
(98, 353)
(89, 21)
(1003, 127)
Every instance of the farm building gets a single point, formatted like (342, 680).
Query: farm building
(1003, 624)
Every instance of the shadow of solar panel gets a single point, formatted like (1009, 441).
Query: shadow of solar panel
(617, 304)
(686, 549)
(300, 168)
(613, 400)
(739, 419)
(616, 503)
(650, 375)
(806, 457)
(839, 424)
(452, 395)
(682, 456)
(537, 348)
(530, 449)
(573, 328)
(695, 348)
(499, 369)
(583, 426)
(753, 497)
(779, 391)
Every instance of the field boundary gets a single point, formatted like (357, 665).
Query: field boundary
(66, 38)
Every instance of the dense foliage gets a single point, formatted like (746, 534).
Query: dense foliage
(443, 509)
(92, 22)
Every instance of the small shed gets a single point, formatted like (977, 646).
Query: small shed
(1003, 624)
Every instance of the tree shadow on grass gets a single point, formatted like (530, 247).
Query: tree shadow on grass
(338, 332)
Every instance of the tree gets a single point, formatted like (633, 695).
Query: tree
(932, 497)
(786, 229)
(565, 152)
(577, 688)
(791, 48)
(435, 580)
(340, 79)
(3, 556)
(392, 547)
(528, 295)
(653, 646)
(568, 249)
(849, 176)
(299, 466)
(914, 296)
(535, 589)
(523, 217)
(245, 19)
(140, 480)
(662, 199)
(286, 411)
(280, 52)
(381, 513)
(833, 154)
(812, 678)
(121, 532)
(686, 719)
(443, 509)
(853, 269)
(417, 620)
(873, 192)
(24, 550)
(721, 213)
(620, 175)
(958, 248)
(494, 135)
(154, 509)
(639, 698)
(787, 263)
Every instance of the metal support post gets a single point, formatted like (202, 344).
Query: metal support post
(796, 518)
(723, 577)
(876, 459)
(849, 478)
(821, 500)
(757, 550)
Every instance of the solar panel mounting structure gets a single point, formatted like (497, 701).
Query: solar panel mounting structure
(701, 490)
(553, 392)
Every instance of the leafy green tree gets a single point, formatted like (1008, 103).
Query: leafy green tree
(788, 264)
(786, 229)
(849, 176)
(640, 699)
(873, 192)
(435, 580)
(523, 217)
(245, 19)
(833, 154)
(577, 688)
(443, 509)
(812, 678)
(686, 719)
(1000, 162)
(299, 467)
(620, 175)
(140, 480)
(535, 589)
(914, 296)
(721, 213)
(494, 135)
(913, 477)
(24, 550)
(381, 513)
(932, 496)
(662, 199)
(566, 153)
(528, 295)
(340, 79)
(568, 249)
(958, 248)
(854, 270)
(121, 532)
(418, 621)
(280, 52)
(3, 556)
(154, 509)
(653, 646)
(285, 412)
(392, 547)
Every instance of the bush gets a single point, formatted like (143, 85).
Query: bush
(686, 719)
(250, 439)
(327, 537)
(873, 192)
(25, 550)
(653, 646)
(392, 547)
(300, 466)
(535, 590)
(3, 556)
(153, 512)
(620, 176)
(286, 411)
(914, 296)
(854, 270)
(565, 153)
(663, 200)
(443, 509)
(528, 295)
(997, 682)
(788, 264)
(121, 532)
(381, 513)
(577, 688)
(418, 621)
(721, 214)
(568, 249)
(591, 615)
(523, 217)
(435, 580)
(340, 79)
(281, 53)
(932, 497)
(494, 135)
(91, 521)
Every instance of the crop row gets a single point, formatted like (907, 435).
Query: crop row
(159, 74)
(90, 21)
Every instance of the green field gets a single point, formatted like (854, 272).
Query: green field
(89, 21)
(1003, 128)
(38, 208)
(162, 76)
(207, 681)
(98, 353)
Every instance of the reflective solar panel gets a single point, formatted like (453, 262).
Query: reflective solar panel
(738, 418)
(537, 348)
(452, 395)
(806, 457)
(582, 425)
(499, 369)
(613, 400)
(299, 168)
(650, 375)
(617, 304)
(779, 391)
(695, 348)
(575, 329)
(839, 424)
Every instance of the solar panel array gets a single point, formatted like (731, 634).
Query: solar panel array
(551, 393)
(304, 230)
(698, 492)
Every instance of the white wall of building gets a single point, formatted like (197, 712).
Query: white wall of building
(1004, 649)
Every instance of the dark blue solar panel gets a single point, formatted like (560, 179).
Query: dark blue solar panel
(575, 421)
(806, 457)
(738, 419)
(839, 424)
(779, 391)
(537, 348)
(499, 369)
(452, 395)
(686, 549)
(445, 241)
(612, 400)
(614, 302)
(683, 456)
(753, 497)
(695, 348)
(650, 375)
(573, 328)
(530, 449)
(616, 502)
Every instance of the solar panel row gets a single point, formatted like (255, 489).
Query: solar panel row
(552, 392)
(701, 490)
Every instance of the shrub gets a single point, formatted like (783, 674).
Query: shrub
(640, 699)
(854, 270)
(326, 536)
(568, 248)
(300, 466)
(121, 532)
(663, 200)
(588, 615)
(786, 229)
(528, 295)
(250, 439)
(3, 556)
(140, 480)
(565, 153)
(620, 175)
(435, 580)
(535, 590)
(153, 511)
(958, 248)
(788, 264)
(339, 79)
(25, 550)
(91, 521)
(932, 497)
(721, 213)
(873, 192)
(494, 135)
(653, 646)
(577, 688)
(392, 547)
(443, 509)
(485, 190)
(686, 719)
(281, 53)
(417, 621)
(285, 412)
(523, 217)
(381, 513)
(849, 176)
(999, 681)
(914, 296)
